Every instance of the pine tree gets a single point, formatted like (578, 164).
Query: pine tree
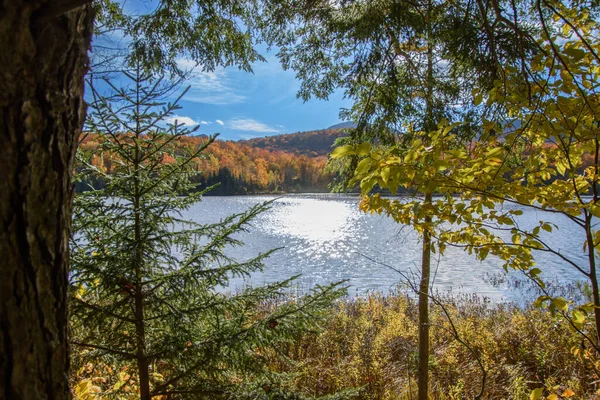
(147, 284)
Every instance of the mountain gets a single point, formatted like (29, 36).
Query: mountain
(311, 143)
(343, 125)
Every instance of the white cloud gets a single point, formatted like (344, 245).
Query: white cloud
(251, 125)
(182, 120)
(214, 87)
(218, 121)
(205, 122)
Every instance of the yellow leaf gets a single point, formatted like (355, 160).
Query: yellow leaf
(560, 303)
(536, 394)
(595, 210)
(82, 387)
(547, 227)
(568, 393)
(578, 317)
(363, 149)
(577, 54)
(410, 156)
(385, 174)
(494, 152)
(561, 167)
(363, 166)
(342, 151)
(442, 165)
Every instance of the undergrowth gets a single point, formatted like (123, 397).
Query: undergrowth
(371, 343)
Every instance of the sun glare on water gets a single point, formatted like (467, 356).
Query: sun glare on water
(313, 220)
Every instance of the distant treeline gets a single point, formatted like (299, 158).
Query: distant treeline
(252, 166)
(239, 167)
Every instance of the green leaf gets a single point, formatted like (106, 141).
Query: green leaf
(483, 253)
(366, 185)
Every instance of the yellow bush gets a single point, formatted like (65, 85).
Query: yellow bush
(372, 342)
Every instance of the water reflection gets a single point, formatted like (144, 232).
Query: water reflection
(325, 238)
(312, 219)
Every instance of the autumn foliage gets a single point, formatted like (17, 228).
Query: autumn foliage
(310, 143)
(255, 166)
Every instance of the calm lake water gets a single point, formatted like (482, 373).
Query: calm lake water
(325, 238)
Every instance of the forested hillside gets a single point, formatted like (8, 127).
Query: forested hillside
(310, 143)
(245, 167)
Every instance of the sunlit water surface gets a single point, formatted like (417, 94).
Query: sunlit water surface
(325, 238)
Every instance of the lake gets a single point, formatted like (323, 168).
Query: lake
(325, 238)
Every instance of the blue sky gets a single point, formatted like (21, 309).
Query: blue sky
(241, 105)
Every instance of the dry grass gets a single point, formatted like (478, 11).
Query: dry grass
(371, 343)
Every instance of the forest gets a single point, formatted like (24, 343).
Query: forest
(477, 111)
(246, 167)
(312, 143)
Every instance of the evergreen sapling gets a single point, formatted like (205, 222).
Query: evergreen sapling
(146, 284)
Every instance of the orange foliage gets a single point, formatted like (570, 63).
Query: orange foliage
(311, 143)
(252, 169)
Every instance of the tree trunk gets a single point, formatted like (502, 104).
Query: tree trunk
(429, 126)
(593, 274)
(424, 310)
(43, 61)
(140, 327)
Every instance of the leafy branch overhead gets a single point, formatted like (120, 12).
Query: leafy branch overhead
(541, 154)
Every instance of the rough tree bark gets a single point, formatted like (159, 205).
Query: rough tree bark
(43, 61)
